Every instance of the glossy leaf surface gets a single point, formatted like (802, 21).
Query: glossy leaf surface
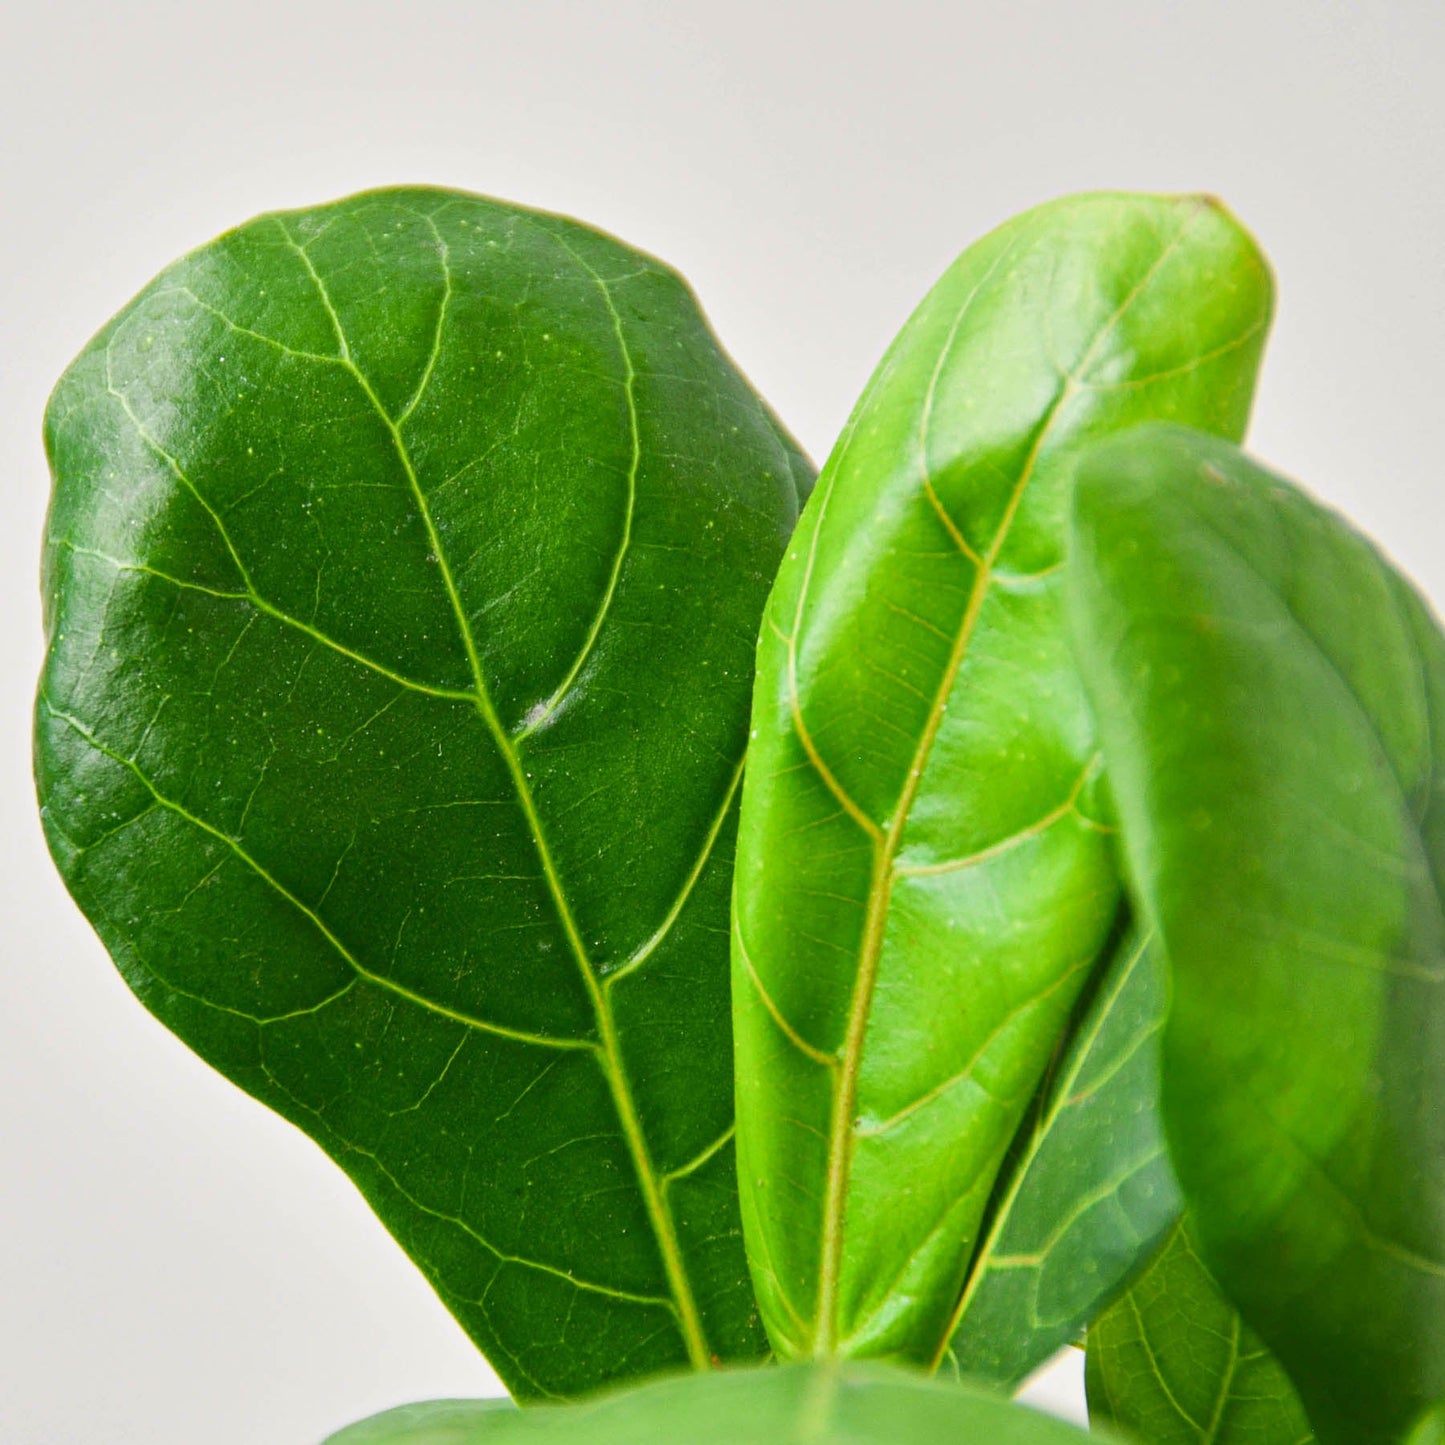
(404, 570)
(824, 1404)
(924, 881)
(1172, 1363)
(1271, 699)
(1090, 1193)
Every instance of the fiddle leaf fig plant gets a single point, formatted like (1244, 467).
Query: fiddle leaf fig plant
(897, 927)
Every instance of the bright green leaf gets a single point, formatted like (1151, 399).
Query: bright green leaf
(1429, 1428)
(925, 877)
(436, 1422)
(1271, 700)
(1172, 1363)
(1090, 1193)
(795, 1405)
(404, 570)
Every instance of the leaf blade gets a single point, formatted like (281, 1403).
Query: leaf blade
(1091, 1194)
(912, 643)
(351, 681)
(1172, 1363)
(435, 1422)
(793, 1405)
(1289, 856)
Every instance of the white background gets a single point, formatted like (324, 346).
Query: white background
(176, 1265)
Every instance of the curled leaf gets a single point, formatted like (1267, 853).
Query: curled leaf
(926, 880)
(1271, 701)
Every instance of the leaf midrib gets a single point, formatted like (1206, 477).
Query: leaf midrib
(254, 598)
(609, 1055)
(880, 894)
(886, 841)
(524, 1036)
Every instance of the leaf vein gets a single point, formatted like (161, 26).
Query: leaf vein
(609, 1053)
(539, 716)
(381, 981)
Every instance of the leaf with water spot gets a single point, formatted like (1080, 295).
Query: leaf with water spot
(403, 574)
(926, 877)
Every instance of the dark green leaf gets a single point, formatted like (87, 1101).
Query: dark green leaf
(824, 1404)
(404, 569)
(1091, 1192)
(924, 880)
(1271, 699)
(1173, 1364)
(437, 1422)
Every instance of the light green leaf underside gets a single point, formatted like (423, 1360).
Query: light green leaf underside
(925, 878)
(824, 1404)
(1172, 1363)
(1271, 700)
(403, 570)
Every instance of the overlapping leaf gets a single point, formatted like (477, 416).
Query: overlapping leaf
(1090, 1192)
(1172, 1363)
(826, 1404)
(433, 1422)
(404, 569)
(925, 877)
(1271, 701)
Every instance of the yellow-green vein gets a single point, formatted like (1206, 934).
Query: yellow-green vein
(610, 1054)
(841, 1128)
(540, 714)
